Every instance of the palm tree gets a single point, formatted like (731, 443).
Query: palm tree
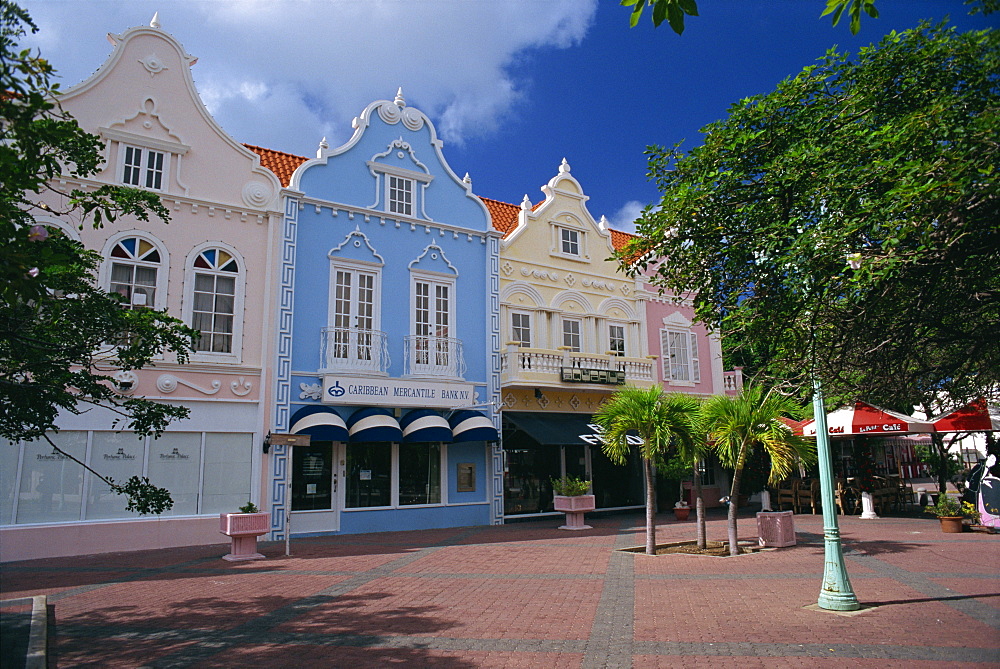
(737, 425)
(658, 419)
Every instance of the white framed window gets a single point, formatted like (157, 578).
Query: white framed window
(433, 348)
(143, 168)
(353, 337)
(680, 356)
(569, 241)
(399, 195)
(571, 334)
(213, 301)
(616, 339)
(520, 328)
(133, 271)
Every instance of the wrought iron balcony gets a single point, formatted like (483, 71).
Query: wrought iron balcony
(353, 350)
(434, 357)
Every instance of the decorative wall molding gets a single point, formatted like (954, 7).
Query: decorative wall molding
(240, 387)
(311, 391)
(153, 64)
(167, 383)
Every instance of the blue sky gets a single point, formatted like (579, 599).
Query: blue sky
(513, 86)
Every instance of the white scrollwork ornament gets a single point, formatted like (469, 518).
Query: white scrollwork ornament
(240, 387)
(257, 194)
(310, 391)
(153, 64)
(167, 383)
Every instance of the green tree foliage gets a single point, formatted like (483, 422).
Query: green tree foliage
(674, 11)
(886, 162)
(659, 420)
(61, 337)
(738, 426)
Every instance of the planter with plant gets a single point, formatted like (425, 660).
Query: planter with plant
(949, 512)
(572, 499)
(244, 528)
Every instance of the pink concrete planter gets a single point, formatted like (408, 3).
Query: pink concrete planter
(574, 508)
(244, 528)
(776, 528)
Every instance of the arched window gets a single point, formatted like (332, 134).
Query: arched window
(135, 265)
(214, 277)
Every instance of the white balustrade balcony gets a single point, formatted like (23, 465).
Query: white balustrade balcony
(732, 381)
(353, 351)
(535, 366)
(436, 357)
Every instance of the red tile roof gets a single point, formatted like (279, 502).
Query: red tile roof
(619, 239)
(504, 215)
(279, 162)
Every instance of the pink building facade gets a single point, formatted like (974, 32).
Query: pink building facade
(208, 266)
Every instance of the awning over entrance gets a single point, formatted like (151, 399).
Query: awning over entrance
(425, 425)
(558, 429)
(319, 422)
(468, 425)
(864, 418)
(373, 424)
(973, 417)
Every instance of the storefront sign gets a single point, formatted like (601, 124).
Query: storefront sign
(596, 438)
(396, 392)
(586, 375)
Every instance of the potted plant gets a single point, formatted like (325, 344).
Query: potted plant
(244, 528)
(572, 499)
(681, 510)
(949, 511)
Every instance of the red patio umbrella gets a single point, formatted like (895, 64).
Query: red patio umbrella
(973, 417)
(864, 418)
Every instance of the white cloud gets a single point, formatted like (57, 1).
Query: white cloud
(317, 64)
(624, 219)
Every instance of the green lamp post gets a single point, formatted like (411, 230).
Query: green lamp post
(836, 594)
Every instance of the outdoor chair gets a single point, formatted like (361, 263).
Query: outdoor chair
(806, 494)
(785, 494)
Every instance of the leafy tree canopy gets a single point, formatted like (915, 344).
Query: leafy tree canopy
(674, 11)
(846, 223)
(62, 337)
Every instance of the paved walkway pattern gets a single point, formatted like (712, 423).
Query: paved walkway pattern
(530, 595)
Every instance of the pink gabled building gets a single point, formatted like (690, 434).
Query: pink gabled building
(209, 266)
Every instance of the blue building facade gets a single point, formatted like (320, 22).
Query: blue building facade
(388, 339)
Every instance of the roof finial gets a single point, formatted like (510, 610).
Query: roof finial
(467, 179)
(525, 203)
(603, 223)
(564, 168)
(400, 102)
(155, 22)
(323, 146)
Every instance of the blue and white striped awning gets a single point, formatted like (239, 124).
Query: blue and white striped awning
(425, 425)
(319, 422)
(373, 424)
(468, 425)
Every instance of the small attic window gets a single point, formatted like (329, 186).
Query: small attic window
(400, 195)
(569, 241)
(143, 168)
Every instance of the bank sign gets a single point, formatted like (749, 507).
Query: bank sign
(396, 392)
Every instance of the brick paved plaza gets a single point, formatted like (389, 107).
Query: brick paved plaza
(530, 595)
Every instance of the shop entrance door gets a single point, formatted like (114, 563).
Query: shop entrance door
(315, 499)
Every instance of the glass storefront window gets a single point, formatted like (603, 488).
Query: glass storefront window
(9, 455)
(527, 486)
(419, 474)
(369, 475)
(52, 484)
(312, 476)
(227, 471)
(118, 456)
(174, 464)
